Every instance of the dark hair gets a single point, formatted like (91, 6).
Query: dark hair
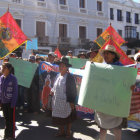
(138, 59)
(9, 67)
(116, 57)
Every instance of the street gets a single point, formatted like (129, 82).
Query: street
(39, 127)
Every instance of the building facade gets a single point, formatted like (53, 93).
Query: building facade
(70, 24)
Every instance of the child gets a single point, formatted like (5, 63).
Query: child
(46, 94)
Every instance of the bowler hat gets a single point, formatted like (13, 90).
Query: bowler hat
(65, 61)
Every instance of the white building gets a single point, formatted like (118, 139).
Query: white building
(71, 24)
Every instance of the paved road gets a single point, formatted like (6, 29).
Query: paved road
(39, 127)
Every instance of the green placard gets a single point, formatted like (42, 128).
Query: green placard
(77, 62)
(24, 71)
(106, 88)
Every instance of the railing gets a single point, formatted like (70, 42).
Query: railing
(63, 7)
(41, 3)
(17, 1)
(83, 10)
(82, 41)
(64, 40)
(43, 40)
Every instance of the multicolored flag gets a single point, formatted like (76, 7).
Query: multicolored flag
(108, 34)
(11, 36)
(58, 53)
(124, 59)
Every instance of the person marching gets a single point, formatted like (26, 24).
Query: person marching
(8, 97)
(105, 121)
(64, 96)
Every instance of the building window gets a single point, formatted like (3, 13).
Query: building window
(120, 32)
(99, 6)
(99, 31)
(111, 14)
(137, 35)
(128, 17)
(18, 21)
(40, 28)
(82, 32)
(82, 3)
(130, 32)
(62, 30)
(63, 2)
(136, 18)
(119, 15)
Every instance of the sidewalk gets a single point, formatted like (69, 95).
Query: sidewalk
(39, 127)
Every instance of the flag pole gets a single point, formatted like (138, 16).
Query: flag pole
(8, 8)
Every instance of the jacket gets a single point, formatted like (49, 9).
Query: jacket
(8, 90)
(71, 92)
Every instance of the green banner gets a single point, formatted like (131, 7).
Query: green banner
(24, 71)
(77, 62)
(106, 88)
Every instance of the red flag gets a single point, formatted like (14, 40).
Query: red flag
(124, 59)
(108, 34)
(58, 53)
(11, 36)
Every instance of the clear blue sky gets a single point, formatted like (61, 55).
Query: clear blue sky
(137, 1)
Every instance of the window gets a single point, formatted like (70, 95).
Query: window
(62, 30)
(111, 14)
(137, 35)
(63, 2)
(119, 15)
(82, 32)
(128, 17)
(120, 32)
(99, 31)
(40, 28)
(136, 18)
(130, 32)
(18, 22)
(82, 3)
(99, 6)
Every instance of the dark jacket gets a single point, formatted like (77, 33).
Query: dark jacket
(71, 92)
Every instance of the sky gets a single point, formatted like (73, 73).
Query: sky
(137, 1)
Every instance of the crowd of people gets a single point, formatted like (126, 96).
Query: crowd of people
(57, 96)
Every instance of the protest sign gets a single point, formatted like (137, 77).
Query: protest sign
(106, 88)
(24, 71)
(77, 62)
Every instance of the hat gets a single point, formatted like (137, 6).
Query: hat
(52, 54)
(65, 61)
(110, 48)
(95, 48)
(12, 54)
(136, 56)
(80, 54)
(69, 51)
(31, 57)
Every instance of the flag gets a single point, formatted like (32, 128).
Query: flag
(124, 59)
(58, 53)
(108, 34)
(11, 36)
(32, 44)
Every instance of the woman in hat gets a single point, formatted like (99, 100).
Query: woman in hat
(8, 97)
(64, 96)
(82, 55)
(103, 120)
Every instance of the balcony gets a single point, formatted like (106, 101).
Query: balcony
(43, 40)
(63, 7)
(82, 42)
(64, 40)
(41, 3)
(17, 1)
(100, 13)
(83, 10)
